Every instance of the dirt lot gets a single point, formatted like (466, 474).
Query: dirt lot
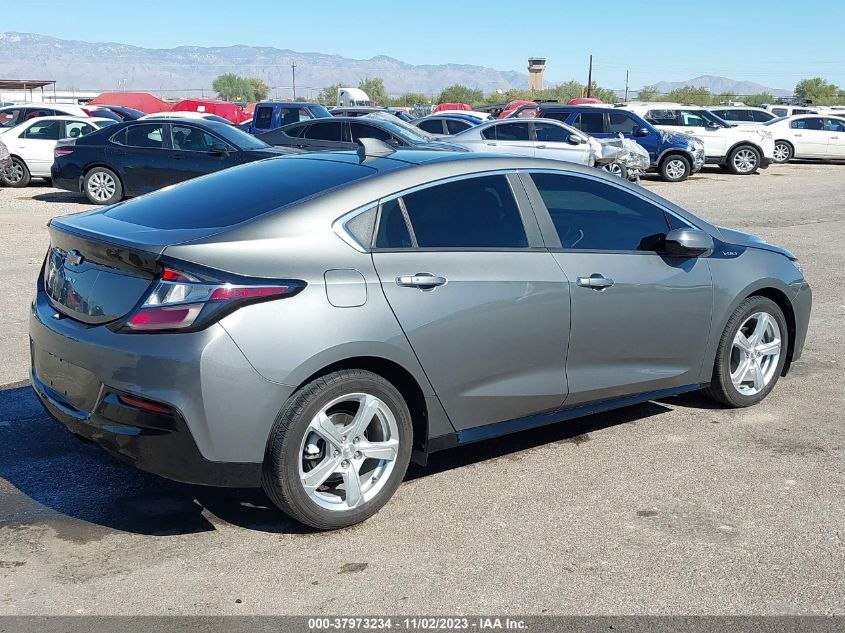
(669, 507)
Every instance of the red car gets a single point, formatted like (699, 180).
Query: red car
(224, 109)
(513, 105)
(451, 106)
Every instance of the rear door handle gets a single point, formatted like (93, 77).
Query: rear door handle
(594, 281)
(423, 281)
(798, 135)
(541, 147)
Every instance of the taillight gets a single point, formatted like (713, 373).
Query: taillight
(181, 300)
(64, 147)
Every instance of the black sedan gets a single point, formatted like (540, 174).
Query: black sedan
(343, 133)
(137, 157)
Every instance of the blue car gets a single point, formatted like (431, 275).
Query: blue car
(270, 115)
(673, 156)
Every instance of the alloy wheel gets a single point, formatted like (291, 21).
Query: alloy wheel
(745, 160)
(676, 168)
(781, 153)
(101, 186)
(14, 173)
(613, 168)
(348, 452)
(755, 353)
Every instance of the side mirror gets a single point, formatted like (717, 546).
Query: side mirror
(713, 125)
(688, 243)
(218, 149)
(641, 131)
(574, 139)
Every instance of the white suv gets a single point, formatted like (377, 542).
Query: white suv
(742, 150)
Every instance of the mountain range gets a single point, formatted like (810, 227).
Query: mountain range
(190, 70)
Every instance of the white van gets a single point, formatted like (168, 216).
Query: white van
(351, 97)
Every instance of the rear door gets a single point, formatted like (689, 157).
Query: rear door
(483, 304)
(140, 154)
(836, 137)
(645, 326)
(511, 138)
(325, 135)
(551, 142)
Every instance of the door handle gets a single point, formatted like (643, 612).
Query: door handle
(541, 147)
(834, 137)
(594, 281)
(798, 135)
(423, 281)
(177, 157)
(491, 143)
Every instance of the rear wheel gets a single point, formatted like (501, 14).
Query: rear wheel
(17, 174)
(102, 186)
(744, 160)
(338, 450)
(674, 168)
(751, 353)
(783, 152)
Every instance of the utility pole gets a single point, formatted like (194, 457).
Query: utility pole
(293, 76)
(590, 78)
(626, 85)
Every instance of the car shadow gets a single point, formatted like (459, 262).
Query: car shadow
(52, 472)
(60, 196)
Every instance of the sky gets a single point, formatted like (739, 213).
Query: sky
(775, 43)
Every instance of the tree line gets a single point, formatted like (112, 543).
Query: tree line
(817, 90)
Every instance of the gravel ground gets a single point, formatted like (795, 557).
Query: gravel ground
(668, 507)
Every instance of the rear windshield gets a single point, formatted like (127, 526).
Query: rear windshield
(233, 196)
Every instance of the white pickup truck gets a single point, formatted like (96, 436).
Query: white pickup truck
(741, 150)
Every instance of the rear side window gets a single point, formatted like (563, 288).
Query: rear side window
(779, 111)
(590, 122)
(761, 117)
(75, 129)
(149, 135)
(434, 126)
(327, 131)
(264, 118)
(472, 213)
(591, 215)
(9, 118)
(453, 126)
(513, 132)
(807, 124)
(392, 229)
(233, 196)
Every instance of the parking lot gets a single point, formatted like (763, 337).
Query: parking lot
(667, 507)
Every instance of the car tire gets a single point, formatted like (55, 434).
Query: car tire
(315, 432)
(742, 377)
(744, 160)
(102, 186)
(674, 168)
(17, 174)
(783, 152)
(616, 169)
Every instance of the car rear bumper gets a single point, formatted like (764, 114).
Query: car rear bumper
(62, 180)
(219, 410)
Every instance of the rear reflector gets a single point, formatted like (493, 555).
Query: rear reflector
(226, 293)
(157, 318)
(62, 151)
(144, 405)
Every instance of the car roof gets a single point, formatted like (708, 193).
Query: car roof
(285, 103)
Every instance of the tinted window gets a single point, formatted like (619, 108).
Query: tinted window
(807, 124)
(9, 118)
(264, 117)
(779, 111)
(590, 122)
(557, 116)
(327, 131)
(801, 111)
(693, 118)
(44, 131)
(392, 229)
(435, 126)
(32, 113)
(362, 130)
(191, 139)
(761, 117)
(550, 133)
(621, 123)
(453, 126)
(470, 213)
(232, 196)
(513, 132)
(591, 215)
(292, 115)
(295, 131)
(662, 117)
(145, 135)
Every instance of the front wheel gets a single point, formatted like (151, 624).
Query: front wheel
(675, 168)
(17, 174)
(102, 186)
(338, 449)
(751, 353)
(744, 160)
(617, 169)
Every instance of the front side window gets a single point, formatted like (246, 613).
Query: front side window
(693, 118)
(513, 132)
(622, 123)
(148, 135)
(9, 118)
(592, 215)
(33, 113)
(590, 122)
(44, 131)
(834, 125)
(807, 124)
(550, 133)
(191, 139)
(780, 112)
(327, 131)
(75, 129)
(471, 213)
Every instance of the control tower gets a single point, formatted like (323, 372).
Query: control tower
(536, 68)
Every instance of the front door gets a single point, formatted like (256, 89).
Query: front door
(192, 154)
(640, 319)
(484, 306)
(552, 142)
(836, 137)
